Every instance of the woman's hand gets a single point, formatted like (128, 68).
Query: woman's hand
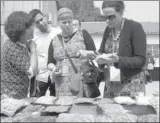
(54, 69)
(51, 67)
(104, 59)
(115, 58)
(87, 54)
(107, 59)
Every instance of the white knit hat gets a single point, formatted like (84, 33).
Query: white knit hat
(64, 14)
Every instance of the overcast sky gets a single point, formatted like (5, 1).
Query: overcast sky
(147, 11)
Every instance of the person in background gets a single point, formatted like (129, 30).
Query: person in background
(43, 35)
(71, 41)
(150, 66)
(124, 46)
(77, 26)
(18, 56)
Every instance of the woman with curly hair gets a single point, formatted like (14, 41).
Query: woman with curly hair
(18, 58)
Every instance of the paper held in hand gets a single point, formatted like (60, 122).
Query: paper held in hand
(114, 74)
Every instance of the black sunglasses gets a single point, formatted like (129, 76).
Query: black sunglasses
(110, 17)
(38, 22)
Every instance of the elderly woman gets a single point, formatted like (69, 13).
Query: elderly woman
(64, 49)
(18, 57)
(124, 46)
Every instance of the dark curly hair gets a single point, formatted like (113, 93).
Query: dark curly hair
(33, 13)
(118, 5)
(16, 24)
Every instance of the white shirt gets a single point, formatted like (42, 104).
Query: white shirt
(43, 41)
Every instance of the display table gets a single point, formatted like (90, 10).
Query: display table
(33, 113)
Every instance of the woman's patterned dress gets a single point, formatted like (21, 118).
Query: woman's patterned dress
(75, 44)
(128, 86)
(15, 62)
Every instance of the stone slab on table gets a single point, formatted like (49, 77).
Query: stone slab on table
(84, 109)
(65, 100)
(112, 108)
(116, 117)
(139, 109)
(66, 117)
(103, 101)
(56, 109)
(24, 113)
(101, 110)
(148, 118)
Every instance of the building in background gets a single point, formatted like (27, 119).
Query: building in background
(49, 8)
(151, 29)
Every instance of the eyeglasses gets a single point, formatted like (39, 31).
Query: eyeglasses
(110, 17)
(38, 22)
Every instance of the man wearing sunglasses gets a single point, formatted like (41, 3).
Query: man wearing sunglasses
(43, 35)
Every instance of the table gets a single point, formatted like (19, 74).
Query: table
(32, 112)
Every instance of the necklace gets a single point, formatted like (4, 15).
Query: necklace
(119, 32)
(115, 39)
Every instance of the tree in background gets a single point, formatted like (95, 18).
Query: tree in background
(84, 10)
(98, 16)
(73, 5)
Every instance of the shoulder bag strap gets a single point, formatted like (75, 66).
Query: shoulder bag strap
(66, 53)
